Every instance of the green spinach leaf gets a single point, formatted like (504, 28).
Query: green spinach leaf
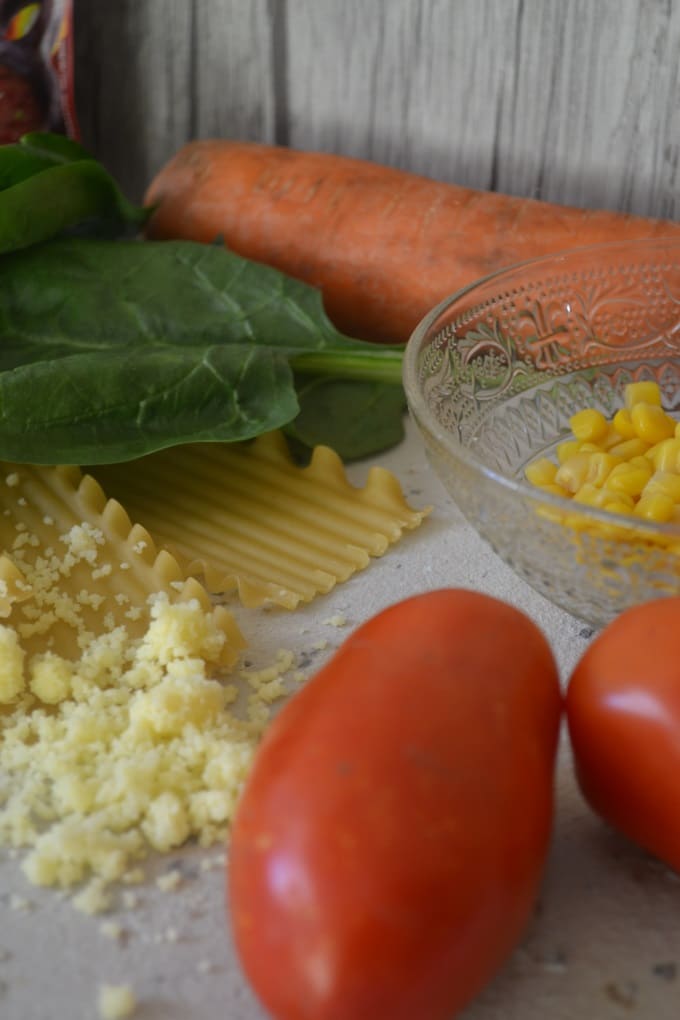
(356, 418)
(49, 184)
(110, 350)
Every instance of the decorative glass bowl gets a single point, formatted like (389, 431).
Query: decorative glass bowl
(492, 376)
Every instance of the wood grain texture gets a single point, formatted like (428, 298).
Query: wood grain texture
(575, 101)
(151, 74)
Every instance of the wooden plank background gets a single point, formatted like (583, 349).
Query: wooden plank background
(574, 101)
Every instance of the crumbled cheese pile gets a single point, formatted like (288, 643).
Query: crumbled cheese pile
(139, 750)
(117, 732)
(133, 746)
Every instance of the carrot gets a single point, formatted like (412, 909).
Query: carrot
(382, 245)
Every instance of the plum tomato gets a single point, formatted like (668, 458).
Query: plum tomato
(388, 847)
(623, 714)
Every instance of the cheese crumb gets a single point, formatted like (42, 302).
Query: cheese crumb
(133, 876)
(12, 679)
(116, 1002)
(170, 881)
(20, 903)
(51, 678)
(113, 930)
(95, 898)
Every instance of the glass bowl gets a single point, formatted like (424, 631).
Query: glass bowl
(492, 376)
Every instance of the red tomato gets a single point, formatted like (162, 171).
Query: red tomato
(388, 847)
(623, 710)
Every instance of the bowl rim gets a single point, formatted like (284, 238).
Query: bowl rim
(425, 420)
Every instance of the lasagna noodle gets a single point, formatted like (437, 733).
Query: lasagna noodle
(74, 566)
(247, 518)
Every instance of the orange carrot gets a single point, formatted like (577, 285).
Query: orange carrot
(382, 245)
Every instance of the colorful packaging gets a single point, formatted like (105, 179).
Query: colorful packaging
(36, 68)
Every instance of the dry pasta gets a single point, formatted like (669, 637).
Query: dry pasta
(246, 518)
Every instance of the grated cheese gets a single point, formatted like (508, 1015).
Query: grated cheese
(117, 735)
(138, 751)
(116, 1002)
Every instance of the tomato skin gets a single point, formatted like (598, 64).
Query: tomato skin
(389, 844)
(623, 713)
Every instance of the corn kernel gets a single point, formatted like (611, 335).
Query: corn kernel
(600, 466)
(665, 456)
(579, 522)
(604, 499)
(630, 476)
(630, 448)
(573, 472)
(664, 481)
(567, 449)
(612, 438)
(554, 489)
(589, 425)
(645, 392)
(588, 494)
(619, 506)
(549, 513)
(651, 423)
(541, 472)
(621, 499)
(623, 426)
(657, 506)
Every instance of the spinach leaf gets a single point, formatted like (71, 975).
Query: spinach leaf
(110, 350)
(356, 418)
(36, 152)
(49, 184)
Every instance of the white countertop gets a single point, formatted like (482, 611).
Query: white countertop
(604, 943)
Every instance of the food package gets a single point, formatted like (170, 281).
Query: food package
(36, 68)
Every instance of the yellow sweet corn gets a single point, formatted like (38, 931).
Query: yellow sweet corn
(651, 423)
(589, 425)
(629, 465)
(656, 506)
(567, 449)
(573, 472)
(630, 476)
(588, 494)
(646, 392)
(600, 466)
(623, 425)
(664, 481)
(554, 489)
(613, 437)
(628, 448)
(665, 456)
(541, 472)
(604, 499)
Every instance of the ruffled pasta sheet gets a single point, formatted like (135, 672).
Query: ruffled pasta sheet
(245, 517)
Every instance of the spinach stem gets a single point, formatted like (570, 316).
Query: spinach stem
(381, 364)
